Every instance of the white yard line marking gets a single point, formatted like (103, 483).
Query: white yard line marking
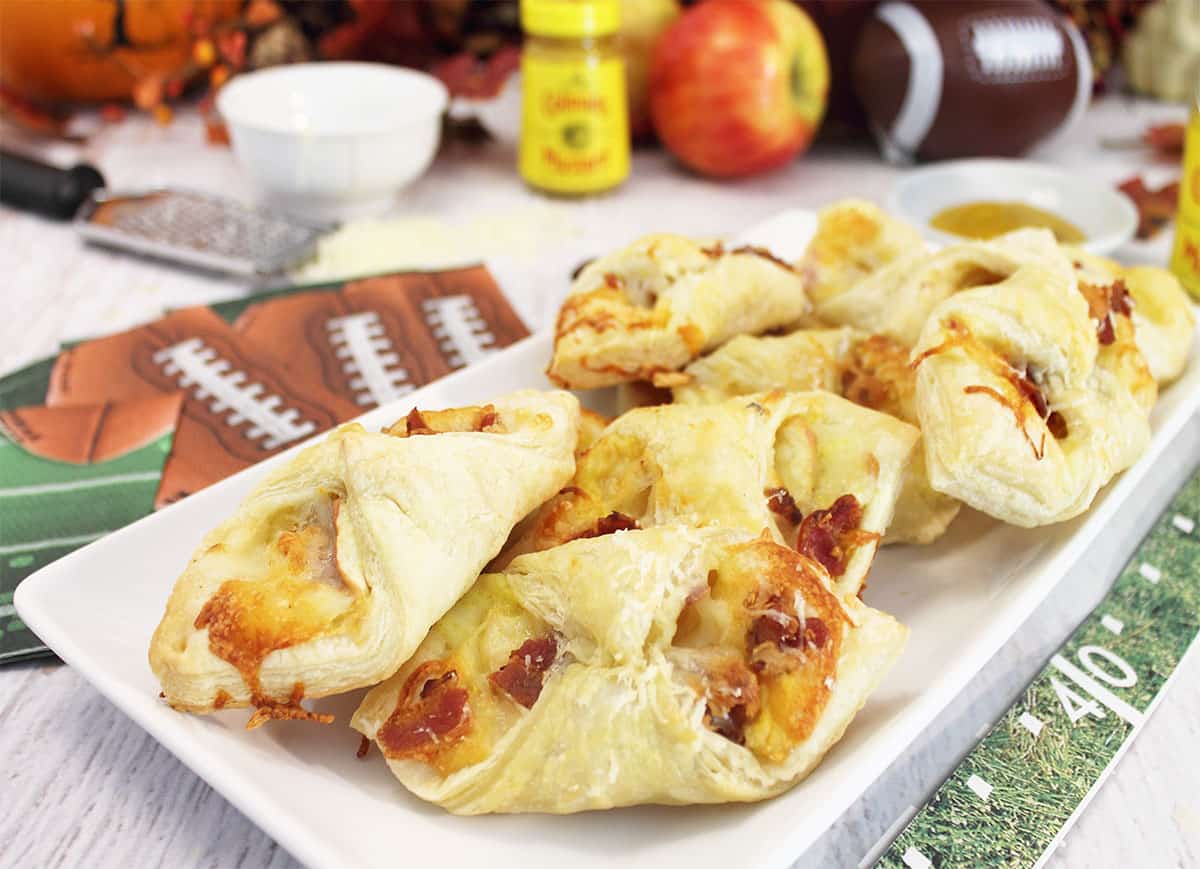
(914, 859)
(1113, 625)
(889, 835)
(1108, 698)
(72, 485)
(50, 543)
(1031, 723)
(200, 370)
(1183, 523)
(460, 330)
(1149, 572)
(982, 789)
(368, 357)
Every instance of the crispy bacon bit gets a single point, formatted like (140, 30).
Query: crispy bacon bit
(416, 425)
(1119, 298)
(816, 633)
(830, 536)
(364, 745)
(733, 701)
(614, 521)
(714, 250)
(521, 678)
(1057, 425)
(782, 504)
(431, 714)
(1104, 331)
(613, 282)
(221, 699)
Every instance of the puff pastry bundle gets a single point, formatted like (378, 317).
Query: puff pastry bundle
(1032, 394)
(333, 569)
(651, 308)
(809, 470)
(670, 665)
(870, 370)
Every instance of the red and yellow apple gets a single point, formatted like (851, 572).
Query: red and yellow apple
(738, 87)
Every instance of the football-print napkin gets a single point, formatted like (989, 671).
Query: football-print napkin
(245, 379)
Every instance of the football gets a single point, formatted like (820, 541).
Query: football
(987, 78)
(90, 434)
(238, 407)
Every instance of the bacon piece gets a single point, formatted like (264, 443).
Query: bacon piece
(782, 504)
(614, 521)
(1105, 333)
(455, 419)
(829, 536)
(415, 424)
(1119, 299)
(1057, 425)
(522, 677)
(733, 699)
(364, 745)
(431, 715)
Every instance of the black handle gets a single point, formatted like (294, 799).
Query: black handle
(48, 190)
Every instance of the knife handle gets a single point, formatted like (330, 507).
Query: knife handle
(48, 190)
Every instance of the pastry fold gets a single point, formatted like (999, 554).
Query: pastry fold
(672, 665)
(1031, 394)
(870, 370)
(649, 309)
(1163, 319)
(897, 299)
(333, 569)
(810, 469)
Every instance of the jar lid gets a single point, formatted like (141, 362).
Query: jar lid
(570, 18)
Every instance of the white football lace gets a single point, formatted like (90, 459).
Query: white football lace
(201, 371)
(1014, 49)
(367, 355)
(459, 328)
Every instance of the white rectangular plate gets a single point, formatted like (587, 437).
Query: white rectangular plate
(962, 598)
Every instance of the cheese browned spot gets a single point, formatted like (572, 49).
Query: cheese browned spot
(522, 677)
(1022, 391)
(290, 711)
(760, 644)
(431, 715)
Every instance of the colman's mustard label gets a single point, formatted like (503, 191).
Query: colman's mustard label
(1185, 259)
(575, 125)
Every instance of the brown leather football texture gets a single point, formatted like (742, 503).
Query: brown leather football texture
(940, 80)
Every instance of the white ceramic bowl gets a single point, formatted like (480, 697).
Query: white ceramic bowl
(333, 139)
(1102, 213)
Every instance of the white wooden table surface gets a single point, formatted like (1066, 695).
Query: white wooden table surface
(81, 785)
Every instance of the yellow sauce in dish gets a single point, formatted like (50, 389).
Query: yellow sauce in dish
(990, 219)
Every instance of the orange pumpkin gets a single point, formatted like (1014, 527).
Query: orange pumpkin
(89, 50)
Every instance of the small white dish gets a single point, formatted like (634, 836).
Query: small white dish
(1103, 214)
(333, 140)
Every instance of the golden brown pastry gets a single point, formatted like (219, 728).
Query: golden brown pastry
(811, 469)
(1031, 395)
(334, 568)
(649, 309)
(870, 370)
(671, 665)
(854, 239)
(1163, 318)
(897, 299)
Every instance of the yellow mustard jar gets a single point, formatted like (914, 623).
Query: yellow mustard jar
(1185, 259)
(574, 117)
